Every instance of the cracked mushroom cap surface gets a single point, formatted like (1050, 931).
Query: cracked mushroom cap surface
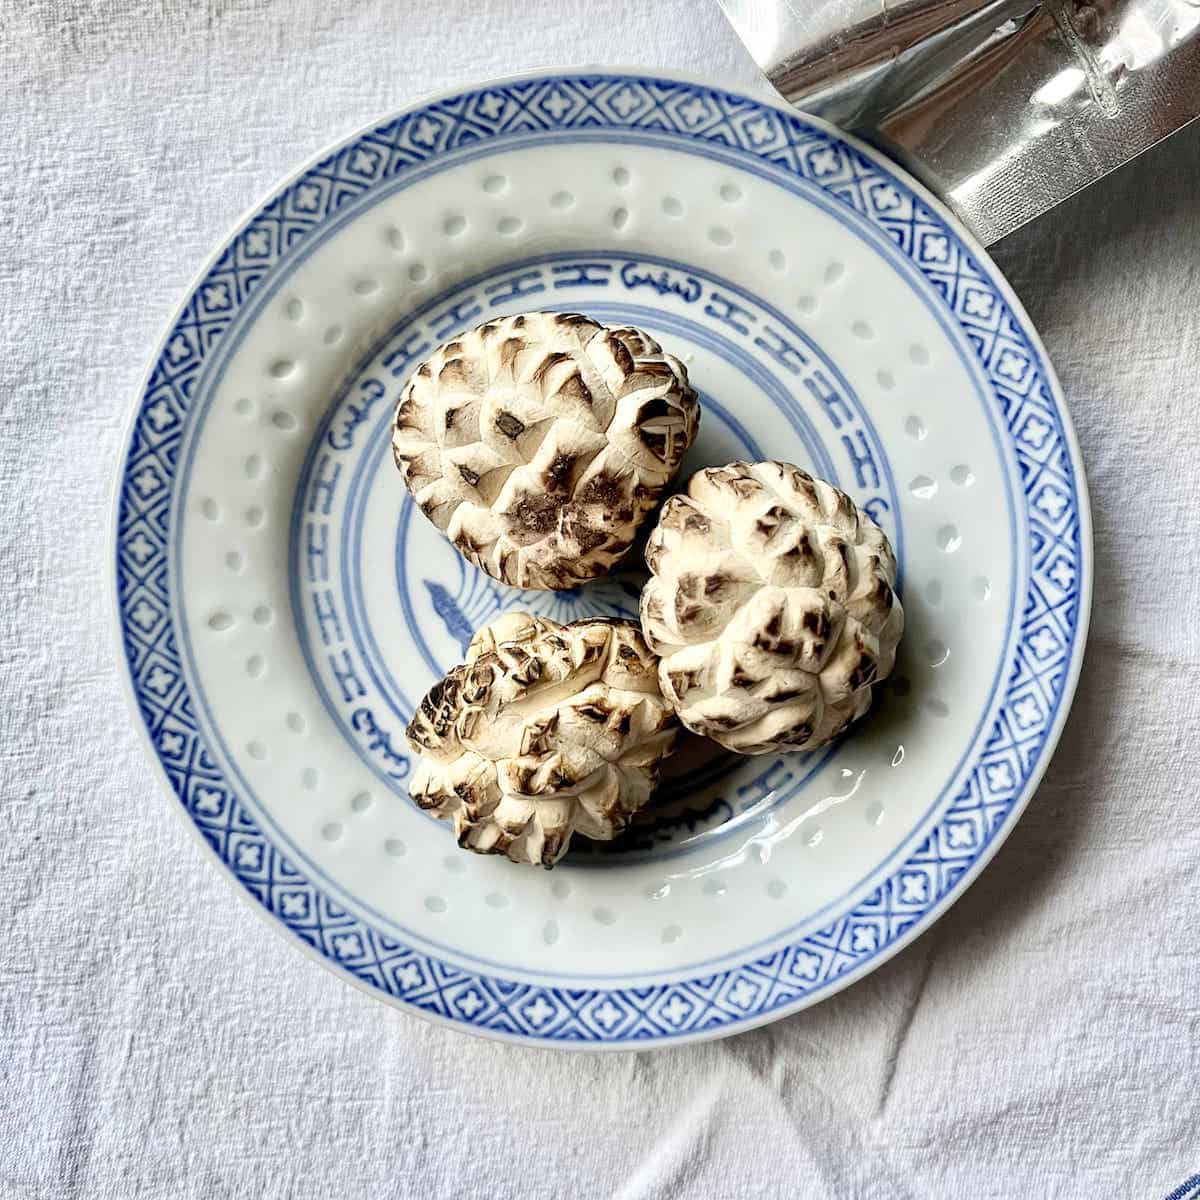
(546, 730)
(772, 606)
(538, 443)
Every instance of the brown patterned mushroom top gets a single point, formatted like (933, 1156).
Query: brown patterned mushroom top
(538, 443)
(772, 606)
(546, 730)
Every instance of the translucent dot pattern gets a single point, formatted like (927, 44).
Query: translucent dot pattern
(949, 539)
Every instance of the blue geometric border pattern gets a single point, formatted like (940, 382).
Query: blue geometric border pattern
(1051, 620)
(1189, 1190)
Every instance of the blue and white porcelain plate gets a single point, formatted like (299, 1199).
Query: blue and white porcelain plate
(282, 607)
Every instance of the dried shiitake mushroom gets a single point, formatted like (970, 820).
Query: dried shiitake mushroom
(546, 730)
(772, 606)
(538, 443)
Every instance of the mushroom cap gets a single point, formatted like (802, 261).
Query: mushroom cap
(772, 606)
(538, 443)
(544, 731)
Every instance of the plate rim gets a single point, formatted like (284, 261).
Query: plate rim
(1054, 729)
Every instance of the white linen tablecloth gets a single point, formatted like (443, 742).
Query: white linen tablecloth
(157, 1040)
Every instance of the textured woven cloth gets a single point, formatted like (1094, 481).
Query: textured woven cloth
(157, 1040)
